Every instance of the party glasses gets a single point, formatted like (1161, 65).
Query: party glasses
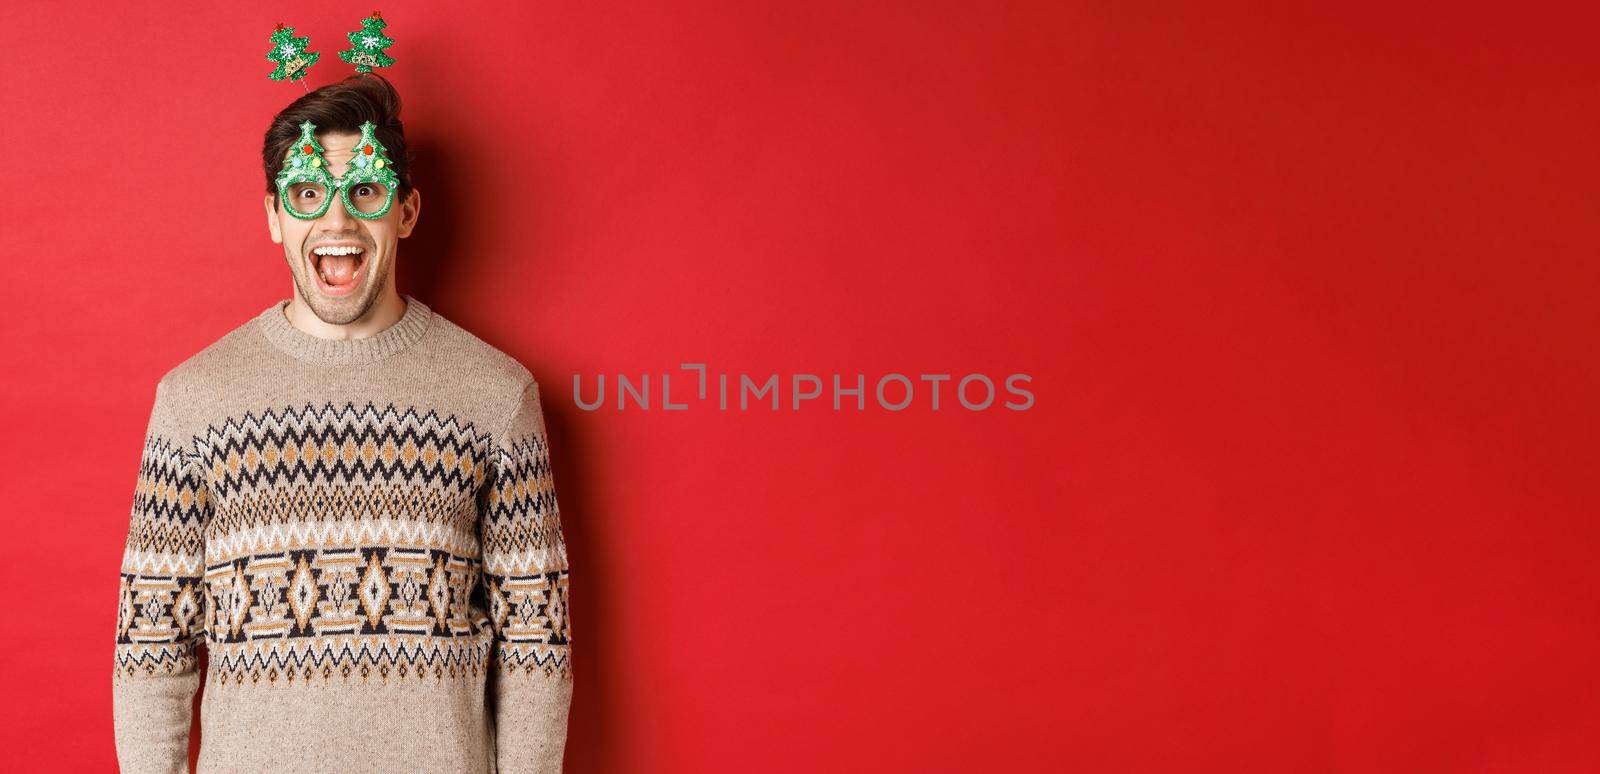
(367, 186)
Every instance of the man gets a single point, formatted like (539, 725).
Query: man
(347, 499)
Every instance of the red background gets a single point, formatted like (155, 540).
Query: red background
(1307, 296)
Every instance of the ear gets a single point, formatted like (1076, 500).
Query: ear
(409, 210)
(272, 219)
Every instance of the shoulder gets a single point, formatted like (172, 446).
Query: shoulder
(513, 390)
(508, 390)
(472, 358)
(202, 370)
(186, 385)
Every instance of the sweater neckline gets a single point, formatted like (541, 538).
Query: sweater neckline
(275, 325)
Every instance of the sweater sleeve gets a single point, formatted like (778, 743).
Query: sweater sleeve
(525, 582)
(161, 612)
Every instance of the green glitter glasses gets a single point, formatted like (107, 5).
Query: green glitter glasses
(367, 187)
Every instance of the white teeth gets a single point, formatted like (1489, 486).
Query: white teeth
(336, 250)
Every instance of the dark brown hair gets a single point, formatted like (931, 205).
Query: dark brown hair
(342, 107)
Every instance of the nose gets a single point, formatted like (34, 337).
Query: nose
(337, 220)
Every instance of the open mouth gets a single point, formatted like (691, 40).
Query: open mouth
(338, 268)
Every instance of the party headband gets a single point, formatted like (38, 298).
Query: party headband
(294, 57)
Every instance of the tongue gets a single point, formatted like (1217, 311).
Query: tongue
(339, 269)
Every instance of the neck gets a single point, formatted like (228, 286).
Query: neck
(409, 327)
(382, 315)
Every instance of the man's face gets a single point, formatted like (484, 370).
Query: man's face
(340, 288)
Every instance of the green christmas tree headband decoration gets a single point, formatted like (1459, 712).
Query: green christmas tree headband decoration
(367, 187)
(367, 45)
(294, 57)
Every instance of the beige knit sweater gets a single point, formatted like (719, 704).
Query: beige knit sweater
(364, 536)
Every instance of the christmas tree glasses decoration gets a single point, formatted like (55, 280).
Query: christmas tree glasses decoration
(303, 180)
(369, 167)
(367, 45)
(293, 56)
(305, 185)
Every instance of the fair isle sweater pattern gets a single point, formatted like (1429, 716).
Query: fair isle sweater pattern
(388, 589)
